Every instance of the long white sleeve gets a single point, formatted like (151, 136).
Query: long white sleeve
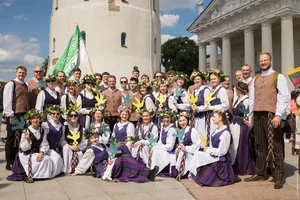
(171, 103)
(195, 140)
(8, 100)
(154, 132)
(85, 162)
(223, 96)
(63, 102)
(283, 97)
(224, 145)
(40, 100)
(185, 105)
(25, 146)
(149, 103)
(170, 141)
(130, 133)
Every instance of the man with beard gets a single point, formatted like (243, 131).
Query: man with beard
(60, 83)
(269, 101)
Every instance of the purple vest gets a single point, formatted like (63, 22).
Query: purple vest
(165, 104)
(187, 141)
(238, 115)
(100, 156)
(53, 136)
(215, 140)
(121, 135)
(50, 100)
(88, 103)
(147, 133)
(216, 101)
(164, 135)
(201, 102)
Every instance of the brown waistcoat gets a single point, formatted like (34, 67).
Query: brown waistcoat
(33, 92)
(265, 94)
(134, 116)
(20, 98)
(113, 102)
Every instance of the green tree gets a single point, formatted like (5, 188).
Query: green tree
(180, 54)
(45, 65)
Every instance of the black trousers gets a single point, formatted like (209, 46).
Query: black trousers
(111, 120)
(10, 149)
(260, 130)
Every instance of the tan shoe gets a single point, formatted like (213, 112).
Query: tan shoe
(278, 184)
(255, 178)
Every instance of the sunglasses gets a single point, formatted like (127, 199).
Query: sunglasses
(38, 71)
(123, 82)
(73, 115)
(50, 81)
(158, 76)
(55, 114)
(88, 83)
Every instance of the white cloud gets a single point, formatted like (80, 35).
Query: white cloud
(169, 21)
(21, 17)
(14, 52)
(167, 5)
(6, 3)
(165, 37)
(194, 37)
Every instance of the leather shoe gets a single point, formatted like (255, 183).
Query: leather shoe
(255, 178)
(278, 184)
(152, 173)
(8, 167)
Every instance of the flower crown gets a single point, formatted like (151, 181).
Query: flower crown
(216, 72)
(124, 109)
(70, 82)
(181, 75)
(183, 113)
(73, 108)
(90, 132)
(56, 108)
(151, 112)
(33, 114)
(50, 77)
(168, 112)
(196, 73)
(88, 78)
(103, 110)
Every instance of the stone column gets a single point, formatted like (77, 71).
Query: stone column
(226, 55)
(202, 57)
(213, 54)
(249, 49)
(287, 47)
(266, 38)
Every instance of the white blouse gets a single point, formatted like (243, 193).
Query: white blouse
(154, 132)
(40, 101)
(170, 141)
(224, 144)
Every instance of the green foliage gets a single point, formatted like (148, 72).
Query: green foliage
(45, 65)
(180, 54)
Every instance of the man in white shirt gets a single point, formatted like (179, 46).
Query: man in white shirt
(246, 70)
(15, 104)
(269, 99)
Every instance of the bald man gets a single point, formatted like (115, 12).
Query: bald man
(33, 86)
(246, 70)
(239, 78)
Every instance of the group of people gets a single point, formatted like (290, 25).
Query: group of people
(206, 132)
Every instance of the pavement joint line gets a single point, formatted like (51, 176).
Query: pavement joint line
(99, 187)
(63, 189)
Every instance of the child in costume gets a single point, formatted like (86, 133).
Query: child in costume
(95, 155)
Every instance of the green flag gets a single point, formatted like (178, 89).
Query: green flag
(73, 55)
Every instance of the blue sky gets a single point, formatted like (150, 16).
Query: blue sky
(24, 32)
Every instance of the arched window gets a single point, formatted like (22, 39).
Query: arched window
(123, 40)
(56, 4)
(155, 45)
(53, 45)
(83, 35)
(154, 4)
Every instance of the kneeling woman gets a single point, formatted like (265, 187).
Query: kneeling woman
(189, 143)
(163, 153)
(73, 142)
(214, 165)
(99, 126)
(146, 130)
(96, 155)
(35, 156)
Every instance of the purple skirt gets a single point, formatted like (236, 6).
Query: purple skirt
(126, 168)
(216, 174)
(18, 171)
(245, 159)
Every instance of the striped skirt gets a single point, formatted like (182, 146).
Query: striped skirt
(126, 168)
(219, 173)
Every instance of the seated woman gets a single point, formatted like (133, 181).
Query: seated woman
(124, 129)
(35, 156)
(125, 168)
(213, 167)
(163, 153)
(95, 155)
(189, 143)
(145, 130)
(73, 142)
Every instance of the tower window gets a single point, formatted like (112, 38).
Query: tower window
(83, 35)
(125, 1)
(155, 45)
(154, 5)
(123, 39)
(53, 45)
(56, 4)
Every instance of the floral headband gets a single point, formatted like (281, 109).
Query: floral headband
(88, 78)
(33, 114)
(53, 108)
(168, 112)
(216, 72)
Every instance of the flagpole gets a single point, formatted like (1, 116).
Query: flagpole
(91, 67)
